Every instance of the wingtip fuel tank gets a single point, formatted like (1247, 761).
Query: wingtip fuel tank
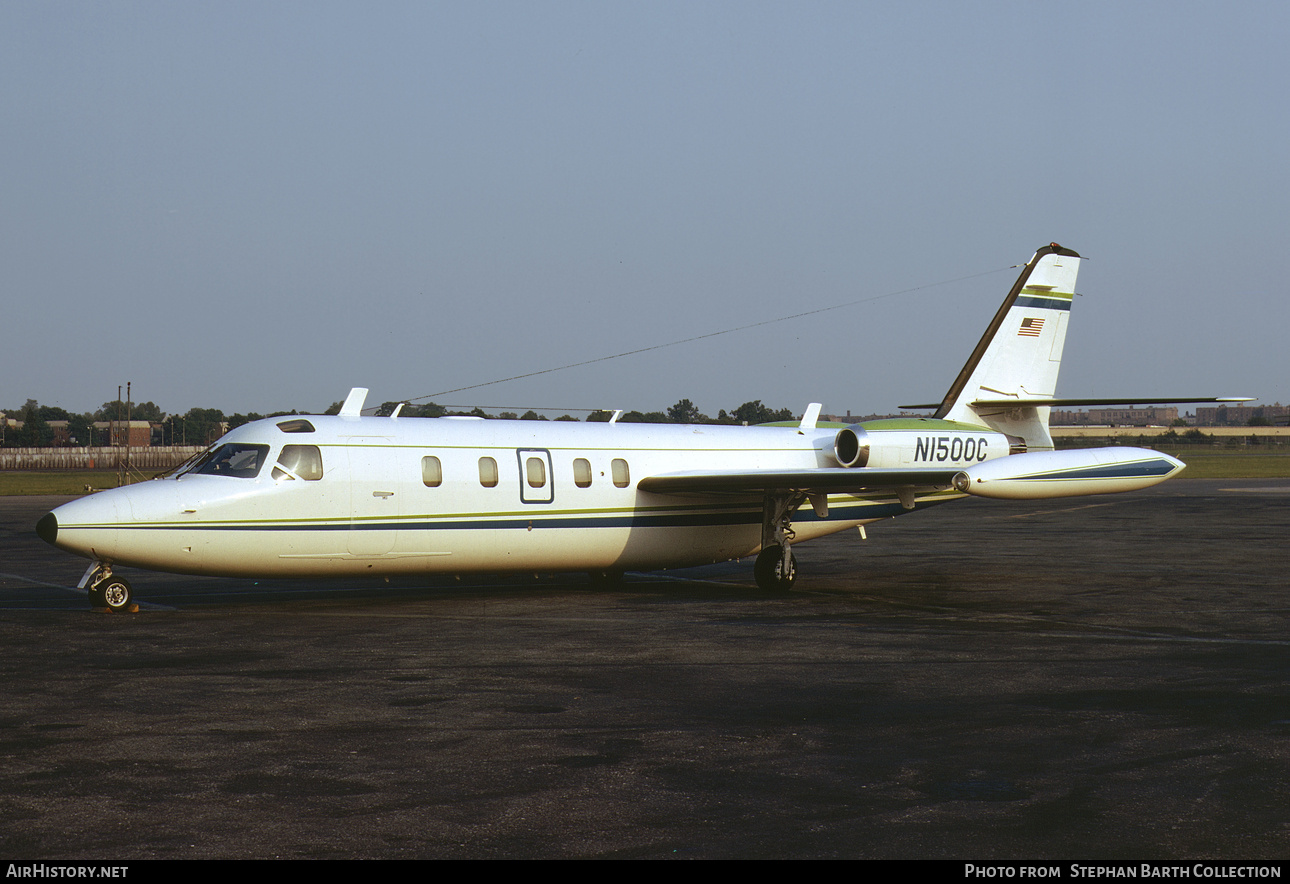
(1043, 474)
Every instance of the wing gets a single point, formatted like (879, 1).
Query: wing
(807, 481)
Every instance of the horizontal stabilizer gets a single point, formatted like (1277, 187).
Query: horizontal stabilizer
(1014, 403)
(1066, 403)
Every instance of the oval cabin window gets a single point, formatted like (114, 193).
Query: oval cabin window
(431, 471)
(536, 472)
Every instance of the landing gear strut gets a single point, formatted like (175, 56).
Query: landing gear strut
(106, 590)
(776, 568)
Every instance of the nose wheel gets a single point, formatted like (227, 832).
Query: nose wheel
(116, 594)
(107, 591)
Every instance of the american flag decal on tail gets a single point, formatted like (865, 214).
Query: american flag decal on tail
(1031, 327)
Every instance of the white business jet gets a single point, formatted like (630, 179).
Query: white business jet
(354, 495)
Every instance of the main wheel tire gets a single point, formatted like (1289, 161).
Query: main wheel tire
(116, 593)
(96, 598)
(775, 569)
(764, 567)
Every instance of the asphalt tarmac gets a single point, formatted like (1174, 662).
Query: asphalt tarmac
(1091, 678)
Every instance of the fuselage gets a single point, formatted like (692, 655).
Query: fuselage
(377, 495)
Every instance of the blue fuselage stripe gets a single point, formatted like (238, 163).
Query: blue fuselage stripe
(638, 520)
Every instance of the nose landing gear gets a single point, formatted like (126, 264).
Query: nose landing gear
(107, 592)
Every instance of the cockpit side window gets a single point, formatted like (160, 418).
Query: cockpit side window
(239, 460)
(299, 461)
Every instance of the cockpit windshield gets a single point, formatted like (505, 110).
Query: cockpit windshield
(236, 459)
(186, 466)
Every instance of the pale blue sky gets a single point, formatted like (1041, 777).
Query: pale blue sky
(252, 206)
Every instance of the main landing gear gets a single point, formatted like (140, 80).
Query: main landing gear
(776, 568)
(108, 592)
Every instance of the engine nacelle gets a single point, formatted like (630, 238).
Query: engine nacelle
(918, 442)
(1043, 474)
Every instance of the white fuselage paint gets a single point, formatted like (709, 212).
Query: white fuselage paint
(371, 513)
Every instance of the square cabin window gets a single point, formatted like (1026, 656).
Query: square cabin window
(488, 472)
(582, 472)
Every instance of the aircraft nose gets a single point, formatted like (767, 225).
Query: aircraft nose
(86, 526)
(47, 528)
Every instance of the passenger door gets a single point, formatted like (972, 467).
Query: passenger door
(536, 481)
(374, 499)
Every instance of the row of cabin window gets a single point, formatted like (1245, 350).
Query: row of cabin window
(305, 461)
(534, 472)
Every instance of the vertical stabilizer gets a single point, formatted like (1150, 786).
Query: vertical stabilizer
(1020, 353)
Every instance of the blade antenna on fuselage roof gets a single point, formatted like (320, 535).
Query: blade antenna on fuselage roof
(353, 406)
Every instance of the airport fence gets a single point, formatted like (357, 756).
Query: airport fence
(94, 458)
(1249, 443)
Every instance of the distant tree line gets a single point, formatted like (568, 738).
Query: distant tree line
(683, 412)
(36, 431)
(200, 426)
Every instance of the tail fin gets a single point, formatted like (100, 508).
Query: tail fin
(1018, 357)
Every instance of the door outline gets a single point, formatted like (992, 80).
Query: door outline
(529, 494)
(373, 501)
